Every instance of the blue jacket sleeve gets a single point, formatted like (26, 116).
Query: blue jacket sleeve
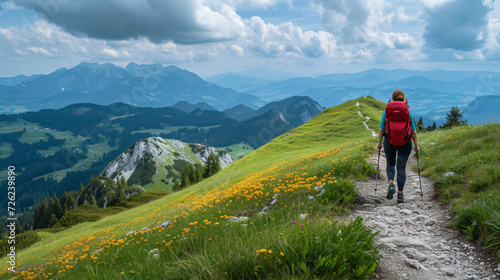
(412, 122)
(382, 123)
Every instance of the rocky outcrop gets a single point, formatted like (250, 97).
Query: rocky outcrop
(155, 155)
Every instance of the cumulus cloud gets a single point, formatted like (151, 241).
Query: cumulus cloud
(38, 50)
(367, 24)
(246, 4)
(364, 30)
(493, 39)
(346, 18)
(109, 52)
(184, 22)
(286, 40)
(456, 24)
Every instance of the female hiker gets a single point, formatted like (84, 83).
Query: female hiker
(398, 129)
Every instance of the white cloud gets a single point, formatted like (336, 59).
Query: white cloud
(434, 3)
(493, 38)
(13, 36)
(488, 3)
(8, 5)
(38, 50)
(368, 31)
(397, 40)
(367, 24)
(20, 52)
(109, 52)
(286, 40)
(245, 4)
(477, 55)
(236, 50)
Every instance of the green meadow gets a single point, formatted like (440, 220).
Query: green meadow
(237, 151)
(201, 242)
(290, 197)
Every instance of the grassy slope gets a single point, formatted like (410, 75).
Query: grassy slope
(333, 142)
(237, 150)
(473, 155)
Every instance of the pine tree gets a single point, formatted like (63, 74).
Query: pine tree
(420, 125)
(124, 183)
(120, 192)
(212, 166)
(56, 208)
(45, 218)
(198, 172)
(39, 211)
(191, 173)
(185, 181)
(71, 202)
(434, 126)
(215, 166)
(53, 221)
(64, 201)
(92, 200)
(81, 188)
(454, 118)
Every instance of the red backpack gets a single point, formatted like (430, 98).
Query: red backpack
(398, 123)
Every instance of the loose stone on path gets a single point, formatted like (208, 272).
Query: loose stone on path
(414, 237)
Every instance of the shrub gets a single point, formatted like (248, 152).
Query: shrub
(72, 218)
(23, 240)
(139, 199)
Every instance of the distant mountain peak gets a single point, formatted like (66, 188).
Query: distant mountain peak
(149, 85)
(143, 69)
(188, 107)
(95, 67)
(87, 65)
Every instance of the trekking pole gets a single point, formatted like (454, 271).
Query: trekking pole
(418, 165)
(376, 177)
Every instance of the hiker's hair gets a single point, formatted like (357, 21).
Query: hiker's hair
(399, 95)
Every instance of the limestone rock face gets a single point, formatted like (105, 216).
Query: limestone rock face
(166, 157)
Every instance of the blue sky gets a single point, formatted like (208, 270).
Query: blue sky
(308, 37)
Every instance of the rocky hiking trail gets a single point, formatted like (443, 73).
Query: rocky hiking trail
(415, 240)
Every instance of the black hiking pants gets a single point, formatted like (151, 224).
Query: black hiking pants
(397, 157)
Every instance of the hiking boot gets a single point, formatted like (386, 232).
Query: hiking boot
(401, 199)
(391, 191)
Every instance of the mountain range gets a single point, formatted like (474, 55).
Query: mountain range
(141, 85)
(430, 93)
